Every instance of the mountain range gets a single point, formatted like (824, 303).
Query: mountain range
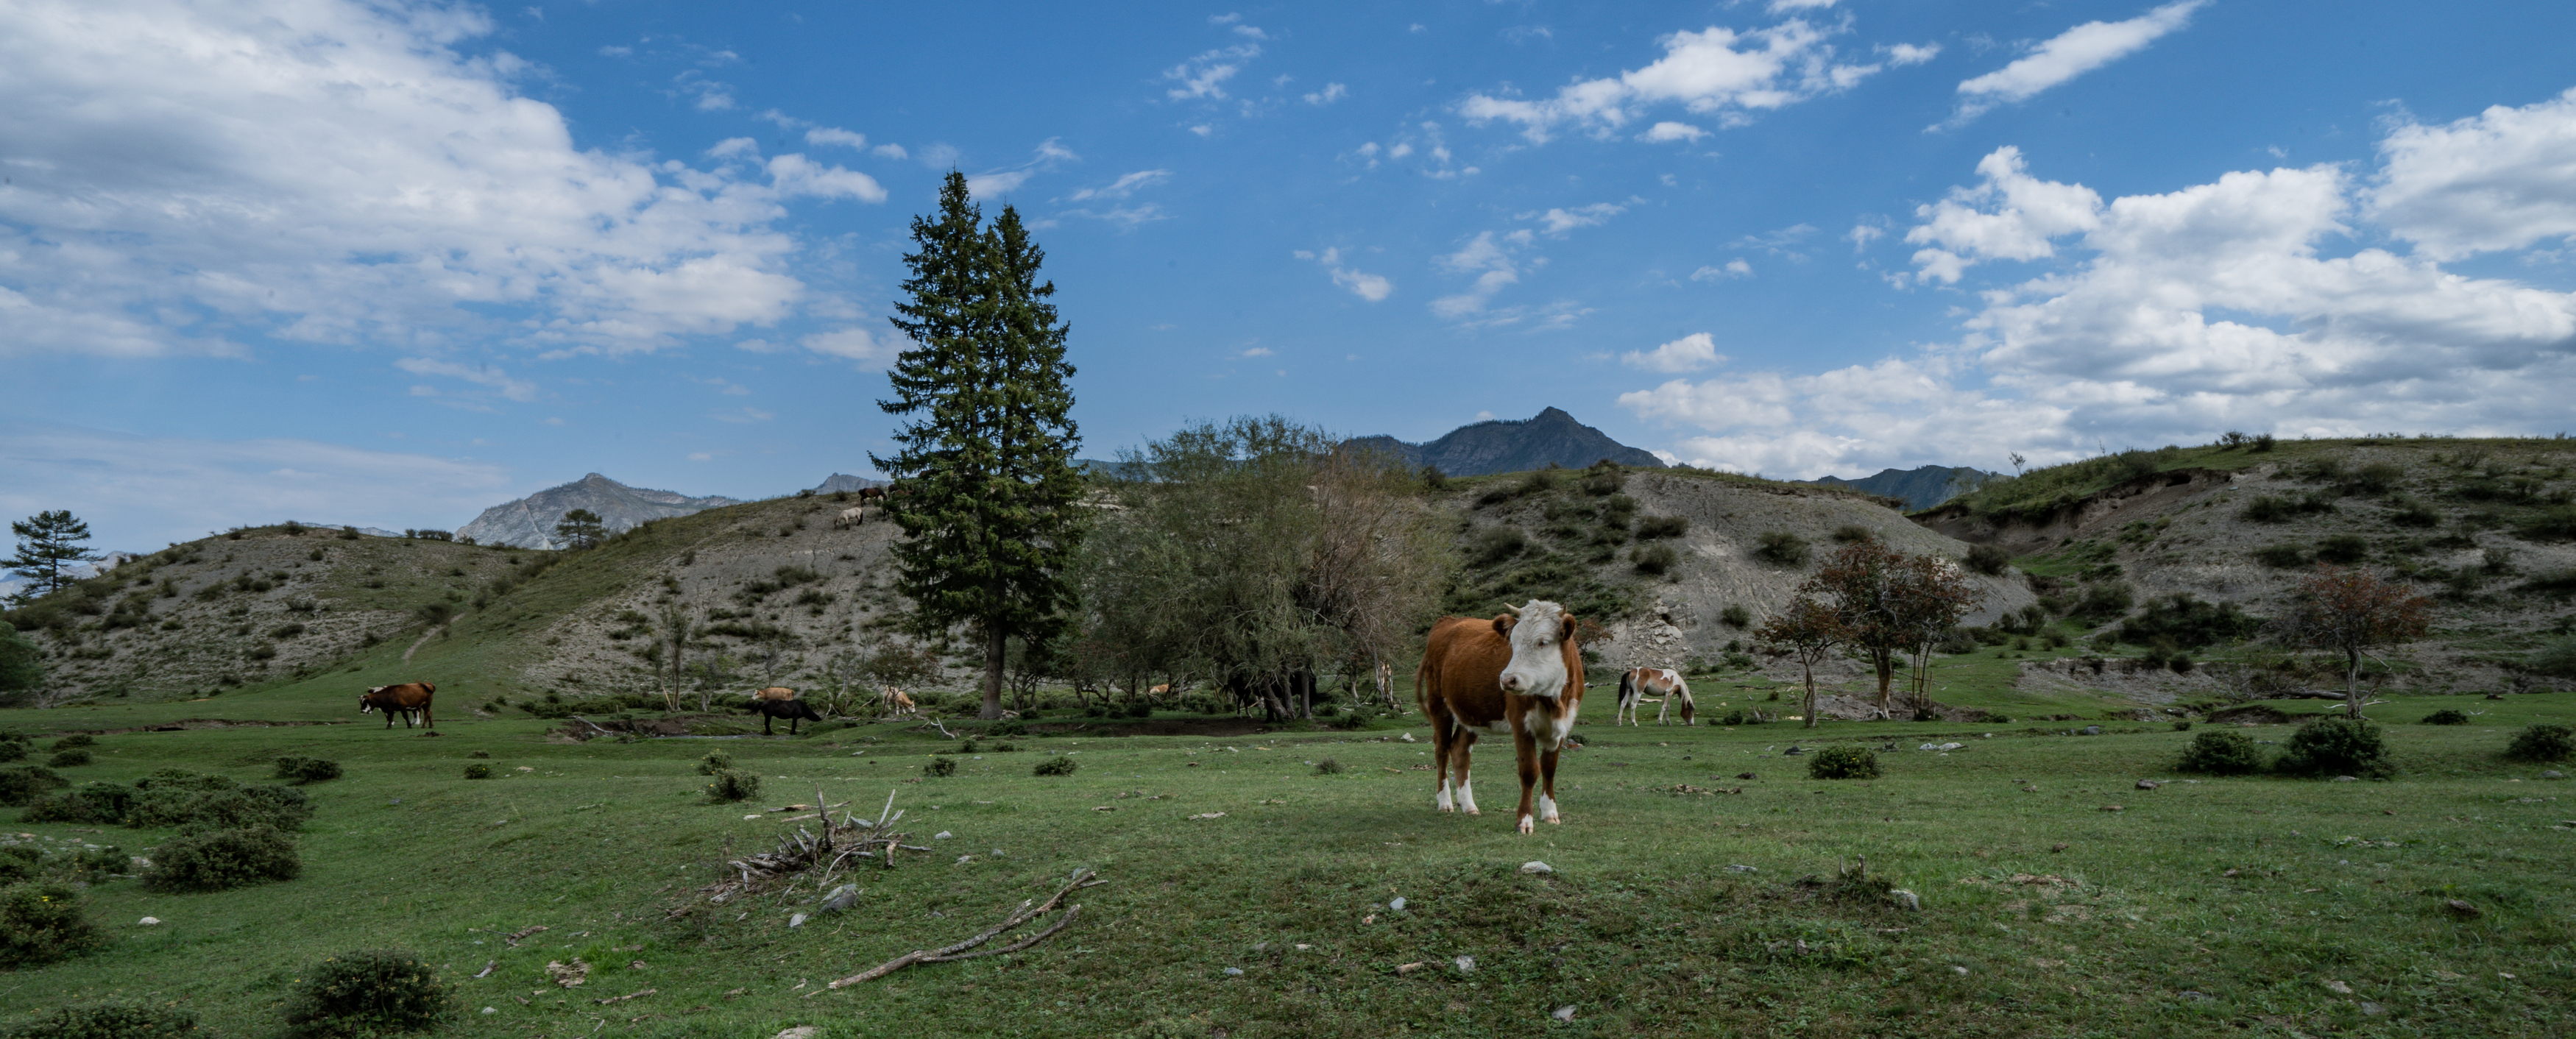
(1515, 445)
(530, 522)
(1919, 488)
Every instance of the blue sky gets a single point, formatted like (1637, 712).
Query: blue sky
(390, 263)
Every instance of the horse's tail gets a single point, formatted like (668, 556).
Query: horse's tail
(1627, 687)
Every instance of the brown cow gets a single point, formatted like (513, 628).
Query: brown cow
(1661, 681)
(400, 699)
(775, 692)
(1517, 675)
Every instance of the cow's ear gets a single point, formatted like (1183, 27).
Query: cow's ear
(1567, 627)
(1502, 624)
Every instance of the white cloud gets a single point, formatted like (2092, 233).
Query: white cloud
(1783, 6)
(1235, 23)
(481, 375)
(1556, 222)
(889, 151)
(2067, 55)
(124, 485)
(1716, 71)
(793, 176)
(2502, 179)
(1735, 268)
(836, 135)
(183, 139)
(853, 344)
(1492, 264)
(734, 148)
(1257, 351)
(1203, 77)
(1125, 185)
(1689, 353)
(1050, 154)
(2165, 318)
(1908, 53)
(1332, 92)
(1371, 287)
(1671, 131)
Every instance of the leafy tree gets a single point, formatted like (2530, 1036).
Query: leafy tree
(22, 667)
(581, 528)
(1866, 580)
(985, 482)
(2352, 611)
(1931, 598)
(48, 544)
(1809, 629)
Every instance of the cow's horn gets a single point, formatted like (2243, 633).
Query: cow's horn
(1516, 611)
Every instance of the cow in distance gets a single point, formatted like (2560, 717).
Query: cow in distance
(401, 699)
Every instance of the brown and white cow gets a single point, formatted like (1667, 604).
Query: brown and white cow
(1518, 676)
(399, 699)
(1662, 682)
(775, 692)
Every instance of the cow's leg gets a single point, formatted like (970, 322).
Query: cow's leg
(1525, 760)
(426, 721)
(1442, 740)
(1547, 787)
(1466, 789)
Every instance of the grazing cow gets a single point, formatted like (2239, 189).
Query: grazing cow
(400, 699)
(1521, 676)
(850, 517)
(793, 710)
(1663, 682)
(897, 702)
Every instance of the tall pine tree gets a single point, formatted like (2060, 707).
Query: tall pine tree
(984, 484)
(49, 543)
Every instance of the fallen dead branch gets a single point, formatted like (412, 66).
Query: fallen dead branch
(804, 854)
(624, 998)
(1082, 878)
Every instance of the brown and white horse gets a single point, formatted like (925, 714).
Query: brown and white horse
(1662, 682)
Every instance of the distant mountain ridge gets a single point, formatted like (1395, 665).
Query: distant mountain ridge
(844, 482)
(1919, 488)
(1514, 445)
(530, 522)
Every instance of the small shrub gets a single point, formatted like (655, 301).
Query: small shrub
(44, 922)
(110, 1021)
(216, 860)
(2336, 747)
(2105, 600)
(107, 803)
(1328, 767)
(715, 761)
(2557, 658)
(1654, 559)
(1852, 532)
(2542, 743)
(1735, 617)
(2447, 716)
(1006, 729)
(2343, 549)
(2269, 508)
(26, 783)
(1781, 547)
(368, 993)
(2281, 557)
(478, 770)
(1843, 761)
(1988, 560)
(1653, 527)
(77, 739)
(729, 785)
(286, 631)
(1055, 766)
(2221, 754)
(279, 807)
(2182, 726)
(940, 768)
(480, 754)
(306, 770)
(20, 863)
(1497, 544)
(69, 759)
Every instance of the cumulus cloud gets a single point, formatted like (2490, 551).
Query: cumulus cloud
(1332, 92)
(1735, 268)
(1203, 76)
(1490, 260)
(2067, 55)
(1689, 353)
(1672, 131)
(482, 375)
(1556, 222)
(1371, 287)
(125, 483)
(836, 135)
(853, 343)
(1908, 53)
(2166, 317)
(1717, 71)
(182, 138)
(2502, 179)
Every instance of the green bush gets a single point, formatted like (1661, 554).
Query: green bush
(369, 993)
(76, 740)
(306, 770)
(2336, 746)
(217, 860)
(2104, 600)
(480, 754)
(730, 785)
(1328, 767)
(42, 922)
(2281, 557)
(1843, 761)
(1654, 559)
(1006, 728)
(1653, 527)
(716, 761)
(276, 807)
(2557, 658)
(2187, 622)
(13, 750)
(109, 1021)
(1988, 560)
(104, 803)
(1054, 766)
(2447, 716)
(2542, 743)
(1735, 617)
(26, 783)
(478, 770)
(2221, 754)
(20, 863)
(1781, 547)
(2343, 549)
(940, 768)
(69, 759)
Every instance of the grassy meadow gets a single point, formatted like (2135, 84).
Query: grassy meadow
(2245, 906)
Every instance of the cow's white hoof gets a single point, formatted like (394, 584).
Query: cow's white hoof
(1554, 819)
(1526, 827)
(1472, 811)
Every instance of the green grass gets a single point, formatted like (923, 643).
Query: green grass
(1642, 928)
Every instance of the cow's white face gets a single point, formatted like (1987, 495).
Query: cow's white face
(1537, 667)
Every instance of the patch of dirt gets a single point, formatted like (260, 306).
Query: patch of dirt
(584, 729)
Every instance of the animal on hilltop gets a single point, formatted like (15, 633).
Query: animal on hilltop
(1663, 682)
(1519, 674)
(401, 699)
(850, 517)
(794, 711)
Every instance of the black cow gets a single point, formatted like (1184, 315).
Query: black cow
(792, 710)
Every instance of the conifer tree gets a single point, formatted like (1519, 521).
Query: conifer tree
(48, 543)
(581, 528)
(984, 484)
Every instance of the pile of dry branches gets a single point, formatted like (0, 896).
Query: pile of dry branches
(806, 855)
